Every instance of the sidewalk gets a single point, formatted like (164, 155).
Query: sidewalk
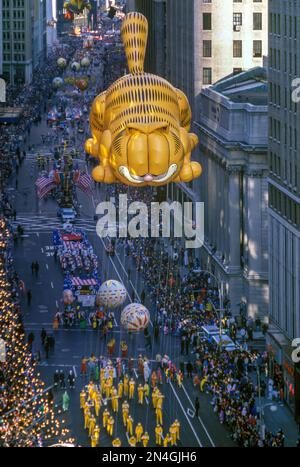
(278, 416)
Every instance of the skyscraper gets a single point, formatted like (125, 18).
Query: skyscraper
(210, 39)
(24, 38)
(1, 40)
(155, 12)
(284, 189)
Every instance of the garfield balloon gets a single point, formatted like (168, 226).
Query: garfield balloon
(141, 125)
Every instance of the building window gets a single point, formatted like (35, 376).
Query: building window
(206, 21)
(207, 76)
(257, 21)
(237, 49)
(237, 21)
(236, 71)
(207, 48)
(257, 49)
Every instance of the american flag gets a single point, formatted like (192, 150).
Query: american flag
(85, 183)
(44, 186)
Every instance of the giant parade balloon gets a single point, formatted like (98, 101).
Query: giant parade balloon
(75, 66)
(68, 297)
(141, 125)
(112, 294)
(57, 82)
(85, 62)
(135, 317)
(76, 6)
(62, 62)
(82, 84)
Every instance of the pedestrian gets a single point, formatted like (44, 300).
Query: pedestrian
(50, 396)
(187, 344)
(143, 297)
(182, 345)
(29, 297)
(30, 339)
(37, 268)
(56, 379)
(43, 335)
(71, 379)
(32, 267)
(62, 383)
(66, 401)
(197, 407)
(189, 369)
(47, 347)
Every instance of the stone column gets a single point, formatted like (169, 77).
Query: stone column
(234, 226)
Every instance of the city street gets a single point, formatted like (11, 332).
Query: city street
(39, 219)
(141, 340)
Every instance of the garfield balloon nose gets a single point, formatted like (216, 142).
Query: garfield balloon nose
(141, 125)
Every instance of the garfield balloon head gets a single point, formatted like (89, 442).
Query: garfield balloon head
(140, 125)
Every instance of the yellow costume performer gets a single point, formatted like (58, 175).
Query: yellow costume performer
(87, 416)
(167, 440)
(92, 424)
(116, 443)
(158, 435)
(132, 441)
(110, 426)
(177, 426)
(131, 388)
(120, 389)
(105, 417)
(173, 433)
(94, 441)
(146, 390)
(140, 394)
(126, 385)
(115, 401)
(82, 399)
(97, 432)
(125, 412)
(129, 425)
(145, 439)
(138, 432)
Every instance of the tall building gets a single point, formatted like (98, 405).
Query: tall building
(51, 24)
(233, 134)
(210, 39)
(284, 192)
(24, 38)
(155, 12)
(1, 40)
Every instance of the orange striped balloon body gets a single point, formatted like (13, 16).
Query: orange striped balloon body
(141, 124)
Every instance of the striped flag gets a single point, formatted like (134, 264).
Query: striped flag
(85, 183)
(44, 186)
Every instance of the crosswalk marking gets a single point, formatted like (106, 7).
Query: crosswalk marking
(38, 224)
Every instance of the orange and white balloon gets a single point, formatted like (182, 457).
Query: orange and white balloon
(135, 317)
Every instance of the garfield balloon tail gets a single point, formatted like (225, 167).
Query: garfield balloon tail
(141, 125)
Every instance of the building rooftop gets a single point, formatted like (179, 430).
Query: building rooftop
(246, 87)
